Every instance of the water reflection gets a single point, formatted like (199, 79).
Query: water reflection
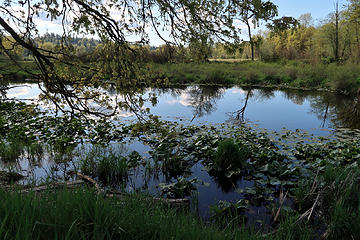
(332, 110)
(239, 115)
(203, 99)
(226, 184)
(271, 108)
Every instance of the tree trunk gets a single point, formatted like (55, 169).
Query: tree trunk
(337, 32)
(357, 40)
(251, 41)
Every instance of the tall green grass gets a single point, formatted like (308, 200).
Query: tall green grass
(338, 210)
(106, 164)
(82, 214)
(341, 78)
(10, 71)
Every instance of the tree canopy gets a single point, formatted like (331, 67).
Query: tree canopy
(64, 74)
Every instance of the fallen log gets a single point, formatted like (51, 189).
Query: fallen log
(175, 202)
(92, 181)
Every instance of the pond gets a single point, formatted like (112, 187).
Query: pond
(271, 109)
(316, 112)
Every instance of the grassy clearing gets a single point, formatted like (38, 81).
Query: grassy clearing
(344, 79)
(290, 74)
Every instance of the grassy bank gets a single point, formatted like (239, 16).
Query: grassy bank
(343, 78)
(288, 74)
(11, 72)
(82, 214)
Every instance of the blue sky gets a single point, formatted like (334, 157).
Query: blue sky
(319, 9)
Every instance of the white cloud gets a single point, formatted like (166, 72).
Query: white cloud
(238, 90)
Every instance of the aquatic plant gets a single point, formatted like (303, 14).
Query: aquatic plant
(10, 152)
(230, 157)
(10, 176)
(228, 214)
(179, 189)
(333, 197)
(110, 167)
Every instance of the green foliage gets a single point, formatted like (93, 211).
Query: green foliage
(82, 214)
(289, 228)
(180, 189)
(174, 166)
(229, 215)
(12, 72)
(215, 76)
(10, 152)
(344, 79)
(271, 161)
(10, 176)
(312, 75)
(339, 191)
(295, 74)
(251, 77)
(108, 165)
(230, 156)
(16, 139)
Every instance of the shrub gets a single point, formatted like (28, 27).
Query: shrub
(251, 77)
(271, 75)
(343, 79)
(312, 75)
(112, 168)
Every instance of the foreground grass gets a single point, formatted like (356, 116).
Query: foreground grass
(82, 214)
(344, 78)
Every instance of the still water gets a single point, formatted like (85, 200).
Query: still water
(315, 112)
(268, 108)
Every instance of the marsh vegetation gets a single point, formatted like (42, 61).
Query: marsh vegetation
(207, 136)
(266, 183)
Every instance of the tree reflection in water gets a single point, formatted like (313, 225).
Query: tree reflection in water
(333, 110)
(203, 99)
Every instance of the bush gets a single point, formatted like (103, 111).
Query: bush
(344, 79)
(312, 75)
(271, 75)
(251, 77)
(215, 76)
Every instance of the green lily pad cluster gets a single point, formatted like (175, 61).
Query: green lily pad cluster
(179, 189)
